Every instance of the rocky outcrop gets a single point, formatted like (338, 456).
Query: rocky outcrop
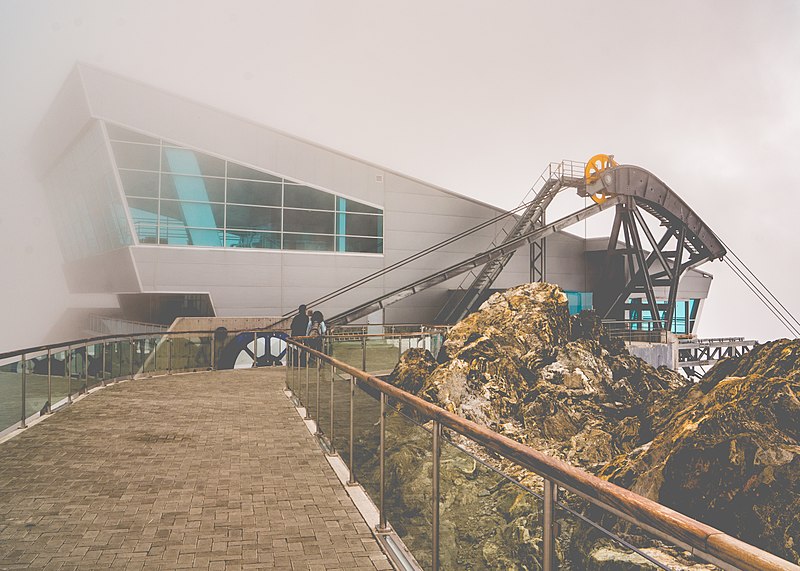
(725, 451)
(732, 458)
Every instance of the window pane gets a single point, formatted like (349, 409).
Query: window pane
(136, 156)
(238, 171)
(138, 183)
(194, 214)
(186, 161)
(147, 233)
(121, 134)
(196, 188)
(143, 209)
(247, 239)
(310, 221)
(251, 192)
(359, 224)
(362, 245)
(353, 206)
(306, 197)
(307, 242)
(255, 217)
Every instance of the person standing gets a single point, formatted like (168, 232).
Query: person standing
(299, 327)
(316, 329)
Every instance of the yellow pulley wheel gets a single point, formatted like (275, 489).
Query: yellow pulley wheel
(596, 165)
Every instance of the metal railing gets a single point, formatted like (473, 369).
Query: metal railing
(352, 419)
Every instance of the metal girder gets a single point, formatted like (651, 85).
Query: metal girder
(470, 263)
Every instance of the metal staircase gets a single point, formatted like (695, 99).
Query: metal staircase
(566, 174)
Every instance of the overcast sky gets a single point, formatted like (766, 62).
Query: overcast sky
(476, 97)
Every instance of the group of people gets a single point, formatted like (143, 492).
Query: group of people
(308, 323)
(311, 324)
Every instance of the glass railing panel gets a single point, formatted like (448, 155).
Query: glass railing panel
(36, 385)
(408, 486)
(348, 350)
(59, 381)
(487, 521)
(190, 352)
(322, 414)
(341, 415)
(76, 372)
(10, 394)
(382, 354)
(95, 365)
(366, 439)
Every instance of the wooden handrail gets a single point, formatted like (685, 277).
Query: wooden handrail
(698, 538)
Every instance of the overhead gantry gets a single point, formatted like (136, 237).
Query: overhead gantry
(634, 192)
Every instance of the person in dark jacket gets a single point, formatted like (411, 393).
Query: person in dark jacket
(300, 327)
(300, 322)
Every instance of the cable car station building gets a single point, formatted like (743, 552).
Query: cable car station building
(180, 209)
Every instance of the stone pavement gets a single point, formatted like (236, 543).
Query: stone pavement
(206, 470)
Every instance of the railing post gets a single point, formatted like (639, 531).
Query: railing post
(85, 368)
(364, 353)
(333, 376)
(352, 479)
(316, 410)
(548, 537)
(382, 527)
(437, 432)
(131, 352)
(169, 355)
(255, 348)
(24, 363)
(307, 395)
(288, 364)
(68, 370)
(103, 374)
(49, 381)
(213, 352)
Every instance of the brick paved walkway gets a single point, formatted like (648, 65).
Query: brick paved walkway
(208, 471)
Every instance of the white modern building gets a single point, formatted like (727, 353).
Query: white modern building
(181, 209)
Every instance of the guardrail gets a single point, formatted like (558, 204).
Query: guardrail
(663, 523)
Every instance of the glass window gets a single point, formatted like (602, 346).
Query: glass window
(186, 161)
(116, 133)
(239, 171)
(307, 242)
(147, 233)
(254, 217)
(195, 188)
(298, 196)
(252, 192)
(136, 156)
(194, 214)
(139, 183)
(361, 245)
(353, 206)
(249, 239)
(144, 209)
(359, 224)
(308, 221)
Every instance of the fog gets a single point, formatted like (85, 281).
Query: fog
(475, 97)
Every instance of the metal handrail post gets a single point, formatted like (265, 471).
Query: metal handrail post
(103, 374)
(382, 527)
(307, 395)
(364, 353)
(85, 368)
(49, 381)
(400, 348)
(213, 352)
(68, 370)
(255, 349)
(169, 355)
(24, 363)
(436, 452)
(548, 537)
(288, 364)
(333, 376)
(316, 410)
(130, 346)
(352, 479)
